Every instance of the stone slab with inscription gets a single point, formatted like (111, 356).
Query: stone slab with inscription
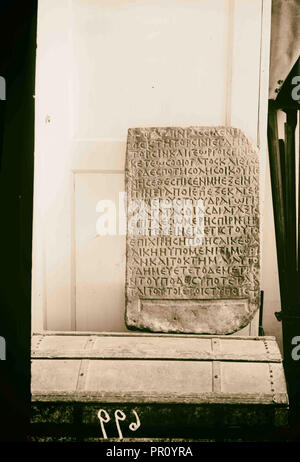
(192, 230)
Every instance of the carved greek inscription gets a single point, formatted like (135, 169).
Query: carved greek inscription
(218, 168)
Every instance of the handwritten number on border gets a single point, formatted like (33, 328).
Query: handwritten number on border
(103, 420)
(119, 415)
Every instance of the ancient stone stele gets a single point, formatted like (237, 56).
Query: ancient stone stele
(192, 230)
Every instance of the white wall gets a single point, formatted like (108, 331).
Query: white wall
(103, 66)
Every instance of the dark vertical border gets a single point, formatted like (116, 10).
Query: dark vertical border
(17, 66)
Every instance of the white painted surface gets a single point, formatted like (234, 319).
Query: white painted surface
(102, 67)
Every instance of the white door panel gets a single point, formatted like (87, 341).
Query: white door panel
(102, 67)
